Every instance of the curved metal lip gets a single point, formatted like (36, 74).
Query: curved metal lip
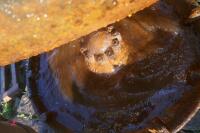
(178, 115)
(172, 120)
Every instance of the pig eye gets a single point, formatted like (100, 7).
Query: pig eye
(109, 52)
(115, 42)
(98, 57)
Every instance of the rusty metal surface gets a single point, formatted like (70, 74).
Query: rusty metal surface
(30, 27)
(184, 95)
(178, 115)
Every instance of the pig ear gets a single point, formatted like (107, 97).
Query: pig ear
(84, 51)
(110, 29)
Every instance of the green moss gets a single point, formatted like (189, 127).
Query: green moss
(7, 110)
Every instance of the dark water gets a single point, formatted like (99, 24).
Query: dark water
(159, 52)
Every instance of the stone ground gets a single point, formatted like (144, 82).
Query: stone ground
(28, 116)
(26, 113)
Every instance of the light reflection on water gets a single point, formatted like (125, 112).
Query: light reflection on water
(152, 80)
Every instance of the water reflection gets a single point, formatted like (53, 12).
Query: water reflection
(93, 91)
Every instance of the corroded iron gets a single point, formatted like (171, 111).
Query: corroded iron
(30, 27)
(156, 91)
